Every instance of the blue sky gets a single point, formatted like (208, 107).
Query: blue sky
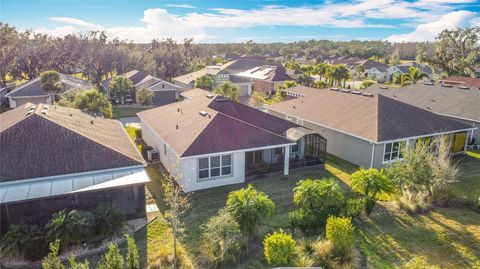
(243, 20)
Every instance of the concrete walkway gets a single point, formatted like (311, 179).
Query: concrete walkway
(129, 120)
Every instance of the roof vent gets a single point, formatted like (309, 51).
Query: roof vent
(356, 92)
(344, 90)
(384, 87)
(71, 114)
(428, 83)
(176, 126)
(203, 113)
(210, 95)
(45, 107)
(91, 122)
(367, 94)
(464, 87)
(44, 111)
(221, 99)
(30, 112)
(334, 89)
(446, 85)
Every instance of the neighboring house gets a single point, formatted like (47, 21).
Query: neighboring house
(405, 69)
(224, 73)
(206, 141)
(266, 78)
(3, 97)
(456, 101)
(31, 91)
(56, 158)
(465, 81)
(368, 130)
(374, 70)
(164, 91)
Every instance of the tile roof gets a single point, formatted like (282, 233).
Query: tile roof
(33, 87)
(138, 79)
(375, 118)
(468, 81)
(62, 141)
(227, 126)
(451, 101)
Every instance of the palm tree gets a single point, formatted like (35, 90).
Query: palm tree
(371, 182)
(249, 207)
(416, 74)
(343, 73)
(359, 70)
(320, 69)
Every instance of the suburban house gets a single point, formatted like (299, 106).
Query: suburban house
(367, 129)
(164, 91)
(458, 101)
(56, 158)
(374, 70)
(266, 78)
(462, 81)
(31, 91)
(224, 73)
(206, 141)
(405, 69)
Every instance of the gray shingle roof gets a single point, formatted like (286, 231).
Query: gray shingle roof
(33, 87)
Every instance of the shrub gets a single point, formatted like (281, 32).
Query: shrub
(138, 133)
(249, 207)
(318, 199)
(317, 251)
(341, 233)
(108, 220)
(354, 207)
(279, 248)
(133, 259)
(70, 228)
(145, 96)
(221, 239)
(52, 261)
(76, 265)
(112, 259)
(370, 183)
(24, 241)
(366, 84)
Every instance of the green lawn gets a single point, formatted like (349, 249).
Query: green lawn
(469, 182)
(447, 237)
(124, 112)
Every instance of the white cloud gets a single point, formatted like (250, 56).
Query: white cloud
(428, 31)
(427, 15)
(181, 6)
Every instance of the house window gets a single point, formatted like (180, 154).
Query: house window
(393, 151)
(214, 166)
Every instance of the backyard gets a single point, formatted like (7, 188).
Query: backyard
(389, 238)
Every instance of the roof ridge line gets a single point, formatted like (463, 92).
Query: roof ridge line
(102, 144)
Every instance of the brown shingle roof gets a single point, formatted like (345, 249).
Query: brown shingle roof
(375, 118)
(228, 126)
(63, 141)
(467, 81)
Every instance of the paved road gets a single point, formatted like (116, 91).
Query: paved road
(129, 120)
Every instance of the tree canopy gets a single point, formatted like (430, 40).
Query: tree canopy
(205, 82)
(228, 90)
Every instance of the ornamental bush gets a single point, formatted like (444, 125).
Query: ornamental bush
(341, 233)
(25, 241)
(70, 227)
(108, 220)
(279, 248)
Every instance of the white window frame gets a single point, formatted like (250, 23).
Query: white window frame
(220, 167)
(399, 157)
(298, 148)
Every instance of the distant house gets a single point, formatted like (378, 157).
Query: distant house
(266, 78)
(3, 97)
(374, 70)
(465, 81)
(459, 101)
(31, 91)
(164, 91)
(56, 158)
(405, 69)
(368, 130)
(206, 141)
(224, 73)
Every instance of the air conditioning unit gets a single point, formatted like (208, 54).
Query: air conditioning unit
(152, 155)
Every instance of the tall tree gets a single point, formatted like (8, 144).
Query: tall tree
(94, 101)
(8, 51)
(50, 82)
(178, 203)
(205, 82)
(457, 52)
(119, 87)
(34, 55)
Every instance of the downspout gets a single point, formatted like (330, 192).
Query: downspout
(373, 155)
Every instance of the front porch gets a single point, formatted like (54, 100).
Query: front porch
(310, 150)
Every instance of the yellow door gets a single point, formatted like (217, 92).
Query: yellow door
(458, 144)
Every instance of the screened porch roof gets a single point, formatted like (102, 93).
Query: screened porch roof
(22, 190)
(294, 134)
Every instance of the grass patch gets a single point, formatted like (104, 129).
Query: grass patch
(124, 112)
(469, 181)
